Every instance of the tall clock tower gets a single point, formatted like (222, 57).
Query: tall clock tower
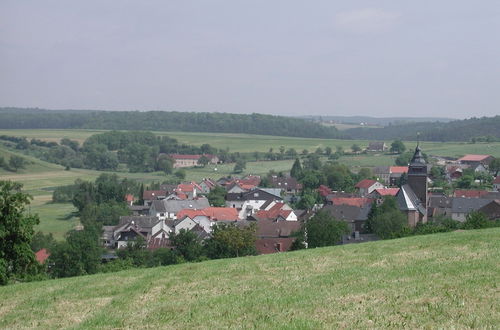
(417, 177)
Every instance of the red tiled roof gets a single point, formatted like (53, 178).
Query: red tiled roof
(252, 180)
(352, 201)
(273, 245)
(470, 193)
(179, 156)
(366, 183)
(324, 190)
(473, 158)
(129, 198)
(42, 255)
(497, 180)
(387, 191)
(398, 169)
(274, 212)
(152, 194)
(213, 213)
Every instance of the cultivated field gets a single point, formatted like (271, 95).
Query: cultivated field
(250, 143)
(446, 280)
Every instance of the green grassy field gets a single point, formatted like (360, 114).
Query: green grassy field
(250, 143)
(449, 280)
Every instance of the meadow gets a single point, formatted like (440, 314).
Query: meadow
(262, 143)
(448, 280)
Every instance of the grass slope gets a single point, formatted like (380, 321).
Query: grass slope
(447, 280)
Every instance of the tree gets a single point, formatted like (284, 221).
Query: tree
(324, 230)
(328, 151)
(217, 197)
(165, 164)
(203, 161)
(17, 260)
(476, 220)
(307, 200)
(365, 173)
(180, 173)
(229, 240)
(239, 166)
(296, 171)
(495, 166)
(187, 245)
(80, 254)
(390, 224)
(397, 147)
(42, 241)
(17, 162)
(355, 148)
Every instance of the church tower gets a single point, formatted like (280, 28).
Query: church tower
(417, 176)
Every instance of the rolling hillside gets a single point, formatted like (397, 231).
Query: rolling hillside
(438, 281)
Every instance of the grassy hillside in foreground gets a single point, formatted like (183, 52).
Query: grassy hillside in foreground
(447, 280)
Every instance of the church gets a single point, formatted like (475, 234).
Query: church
(412, 197)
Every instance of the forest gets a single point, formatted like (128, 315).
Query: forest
(16, 118)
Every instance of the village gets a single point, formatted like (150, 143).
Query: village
(184, 207)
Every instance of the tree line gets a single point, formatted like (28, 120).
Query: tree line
(11, 118)
(473, 130)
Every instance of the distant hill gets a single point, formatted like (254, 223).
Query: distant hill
(434, 281)
(457, 130)
(16, 118)
(378, 121)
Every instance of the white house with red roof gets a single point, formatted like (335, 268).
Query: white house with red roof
(367, 186)
(277, 212)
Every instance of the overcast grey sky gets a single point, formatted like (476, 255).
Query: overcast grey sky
(378, 58)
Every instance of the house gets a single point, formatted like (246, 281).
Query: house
(470, 193)
(365, 187)
(354, 215)
(212, 213)
(324, 191)
(248, 183)
(148, 196)
(188, 190)
(247, 203)
(168, 208)
(276, 212)
(496, 184)
(207, 185)
(289, 185)
(352, 201)
(191, 160)
(275, 236)
(139, 209)
(129, 199)
(390, 175)
(491, 210)
(412, 198)
(382, 192)
(475, 160)
(42, 255)
(454, 172)
(132, 227)
(377, 147)
(462, 206)
(439, 205)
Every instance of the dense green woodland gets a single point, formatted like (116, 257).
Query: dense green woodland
(485, 129)
(164, 121)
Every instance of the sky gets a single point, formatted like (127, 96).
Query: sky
(373, 58)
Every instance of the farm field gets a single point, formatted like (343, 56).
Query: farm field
(250, 143)
(448, 280)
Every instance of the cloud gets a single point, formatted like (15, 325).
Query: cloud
(367, 20)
